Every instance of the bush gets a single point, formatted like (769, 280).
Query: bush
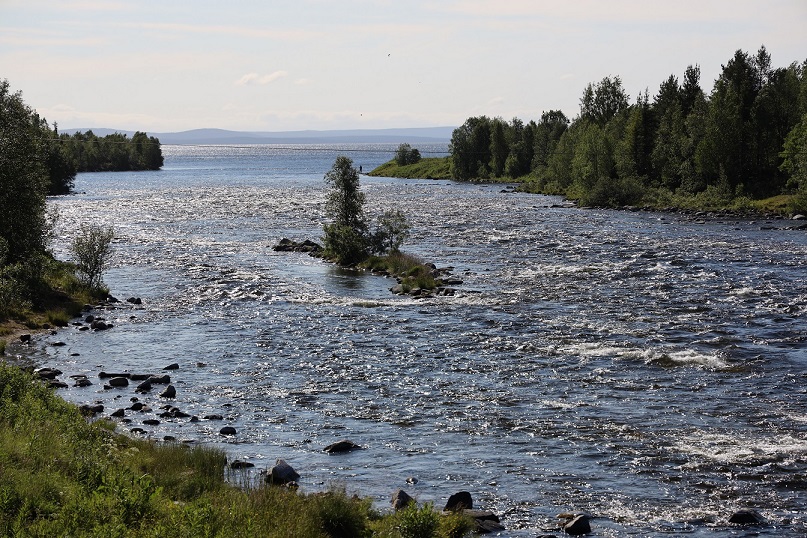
(91, 249)
(406, 155)
(390, 233)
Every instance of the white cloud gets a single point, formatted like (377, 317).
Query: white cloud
(251, 79)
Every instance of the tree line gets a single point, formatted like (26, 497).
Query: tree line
(746, 138)
(37, 161)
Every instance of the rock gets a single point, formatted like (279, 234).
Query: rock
(90, 410)
(140, 431)
(99, 325)
(459, 501)
(139, 377)
(287, 245)
(48, 373)
(341, 446)
(151, 422)
(56, 384)
(118, 414)
(106, 375)
(213, 417)
(173, 366)
(227, 430)
(401, 499)
(145, 386)
(118, 382)
(25, 338)
(169, 392)
(160, 379)
(137, 406)
(237, 464)
(58, 344)
(282, 473)
(577, 526)
(134, 300)
(747, 516)
(798, 217)
(486, 522)
(83, 382)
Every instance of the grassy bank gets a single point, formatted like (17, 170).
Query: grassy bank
(61, 475)
(427, 168)
(40, 294)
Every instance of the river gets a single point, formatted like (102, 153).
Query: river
(647, 369)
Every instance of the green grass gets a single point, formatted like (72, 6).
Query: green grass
(427, 168)
(410, 270)
(61, 475)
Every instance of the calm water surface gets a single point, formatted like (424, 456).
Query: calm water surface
(642, 368)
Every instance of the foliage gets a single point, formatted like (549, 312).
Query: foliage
(92, 248)
(23, 178)
(61, 475)
(406, 154)
(746, 138)
(415, 521)
(390, 233)
(348, 238)
(114, 152)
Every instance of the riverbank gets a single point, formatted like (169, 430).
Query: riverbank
(651, 199)
(65, 475)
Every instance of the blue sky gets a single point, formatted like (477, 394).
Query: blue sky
(171, 65)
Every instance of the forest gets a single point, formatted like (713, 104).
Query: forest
(745, 140)
(37, 161)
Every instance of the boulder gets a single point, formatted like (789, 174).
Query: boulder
(577, 526)
(134, 300)
(48, 373)
(90, 410)
(160, 379)
(119, 413)
(99, 325)
(172, 366)
(281, 474)
(118, 382)
(145, 386)
(169, 392)
(344, 445)
(83, 382)
(401, 499)
(106, 375)
(287, 245)
(237, 464)
(56, 384)
(151, 422)
(25, 338)
(213, 417)
(459, 501)
(227, 430)
(747, 516)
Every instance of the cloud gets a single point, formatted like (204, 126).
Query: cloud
(252, 79)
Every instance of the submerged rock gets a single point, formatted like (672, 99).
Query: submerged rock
(341, 446)
(287, 245)
(747, 516)
(577, 526)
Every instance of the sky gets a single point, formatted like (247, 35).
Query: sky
(278, 65)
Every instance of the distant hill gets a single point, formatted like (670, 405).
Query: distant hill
(423, 135)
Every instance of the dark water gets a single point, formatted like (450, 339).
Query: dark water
(642, 368)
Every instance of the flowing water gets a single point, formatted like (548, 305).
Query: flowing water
(643, 368)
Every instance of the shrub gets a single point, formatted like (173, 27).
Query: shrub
(406, 155)
(91, 249)
(390, 233)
